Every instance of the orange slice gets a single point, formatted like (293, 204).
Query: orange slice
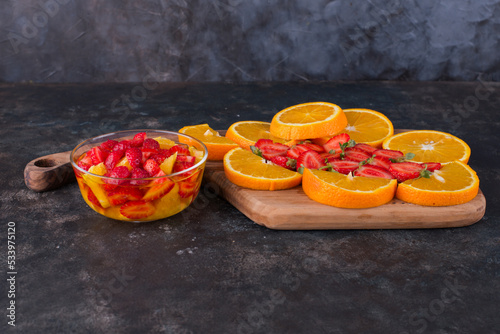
(347, 191)
(216, 144)
(246, 133)
(429, 146)
(368, 126)
(308, 120)
(248, 170)
(455, 183)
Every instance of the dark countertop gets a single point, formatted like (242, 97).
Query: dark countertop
(213, 270)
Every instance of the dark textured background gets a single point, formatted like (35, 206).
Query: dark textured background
(252, 40)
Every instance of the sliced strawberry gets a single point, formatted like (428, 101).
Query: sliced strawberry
(113, 158)
(405, 170)
(138, 139)
(310, 159)
(121, 147)
(330, 156)
(152, 167)
(161, 155)
(108, 145)
(181, 165)
(187, 158)
(83, 165)
(186, 189)
(314, 147)
(344, 166)
(269, 149)
(97, 155)
(380, 162)
(365, 147)
(93, 199)
(389, 154)
(432, 166)
(137, 209)
(139, 173)
(134, 156)
(119, 172)
(296, 150)
(333, 144)
(159, 187)
(373, 171)
(356, 154)
(181, 149)
(121, 195)
(150, 143)
(284, 162)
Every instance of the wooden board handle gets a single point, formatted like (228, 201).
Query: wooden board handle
(49, 172)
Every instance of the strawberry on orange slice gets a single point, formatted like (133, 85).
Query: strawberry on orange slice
(121, 195)
(373, 171)
(159, 187)
(344, 166)
(333, 144)
(356, 154)
(310, 159)
(137, 209)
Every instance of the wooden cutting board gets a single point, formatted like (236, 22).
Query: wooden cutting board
(291, 209)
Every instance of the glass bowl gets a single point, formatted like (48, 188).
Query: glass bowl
(139, 197)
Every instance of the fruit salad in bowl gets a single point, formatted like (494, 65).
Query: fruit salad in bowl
(139, 175)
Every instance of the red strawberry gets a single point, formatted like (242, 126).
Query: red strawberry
(314, 147)
(284, 162)
(161, 155)
(113, 158)
(150, 143)
(333, 144)
(83, 165)
(108, 145)
(182, 165)
(97, 155)
(295, 151)
(186, 189)
(381, 162)
(310, 159)
(134, 156)
(365, 147)
(405, 170)
(181, 149)
(159, 187)
(137, 209)
(373, 171)
(269, 149)
(152, 167)
(344, 166)
(121, 195)
(356, 154)
(327, 157)
(389, 154)
(120, 172)
(139, 173)
(187, 158)
(138, 139)
(121, 147)
(93, 199)
(432, 166)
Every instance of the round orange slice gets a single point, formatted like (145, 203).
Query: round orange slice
(347, 191)
(308, 120)
(216, 144)
(429, 146)
(246, 133)
(455, 183)
(368, 126)
(248, 170)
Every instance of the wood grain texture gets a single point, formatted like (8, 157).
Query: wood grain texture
(49, 172)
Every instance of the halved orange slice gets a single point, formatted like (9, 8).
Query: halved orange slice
(248, 170)
(347, 191)
(455, 183)
(246, 133)
(368, 126)
(308, 120)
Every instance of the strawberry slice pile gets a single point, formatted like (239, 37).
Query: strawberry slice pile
(130, 163)
(342, 155)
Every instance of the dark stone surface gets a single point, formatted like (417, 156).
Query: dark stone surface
(212, 270)
(248, 40)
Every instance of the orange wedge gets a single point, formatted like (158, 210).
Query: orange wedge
(216, 144)
(246, 133)
(429, 146)
(347, 191)
(308, 120)
(368, 126)
(455, 183)
(248, 170)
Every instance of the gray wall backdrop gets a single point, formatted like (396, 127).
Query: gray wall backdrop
(248, 40)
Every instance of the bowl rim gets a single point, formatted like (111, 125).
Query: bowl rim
(135, 131)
